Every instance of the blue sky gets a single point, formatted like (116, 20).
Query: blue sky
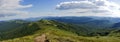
(43, 5)
(46, 5)
(12, 9)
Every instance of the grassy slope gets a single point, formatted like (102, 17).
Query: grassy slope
(57, 35)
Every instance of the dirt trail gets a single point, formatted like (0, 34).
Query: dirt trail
(41, 38)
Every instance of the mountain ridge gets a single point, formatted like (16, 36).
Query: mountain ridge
(58, 32)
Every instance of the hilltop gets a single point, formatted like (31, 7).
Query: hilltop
(53, 31)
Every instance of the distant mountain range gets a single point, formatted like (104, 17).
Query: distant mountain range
(61, 29)
(116, 25)
(76, 19)
(102, 22)
(88, 22)
(52, 30)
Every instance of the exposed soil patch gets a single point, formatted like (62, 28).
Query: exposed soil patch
(41, 38)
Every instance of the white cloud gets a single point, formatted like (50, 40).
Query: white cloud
(90, 6)
(11, 7)
(12, 4)
(76, 5)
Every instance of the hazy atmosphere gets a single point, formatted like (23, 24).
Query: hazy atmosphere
(59, 20)
(12, 9)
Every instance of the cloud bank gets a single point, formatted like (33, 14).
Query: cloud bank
(12, 8)
(90, 6)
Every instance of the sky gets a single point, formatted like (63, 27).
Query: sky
(21, 9)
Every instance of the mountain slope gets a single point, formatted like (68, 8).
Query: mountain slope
(54, 32)
(90, 22)
(8, 25)
(50, 29)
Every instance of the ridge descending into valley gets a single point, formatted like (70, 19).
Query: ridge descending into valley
(54, 31)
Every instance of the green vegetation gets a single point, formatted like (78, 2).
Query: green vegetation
(58, 32)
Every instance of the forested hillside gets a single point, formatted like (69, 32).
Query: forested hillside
(54, 31)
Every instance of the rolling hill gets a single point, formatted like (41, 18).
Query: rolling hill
(13, 24)
(54, 31)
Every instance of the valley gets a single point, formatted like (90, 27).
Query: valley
(55, 31)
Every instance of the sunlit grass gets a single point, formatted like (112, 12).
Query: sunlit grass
(57, 35)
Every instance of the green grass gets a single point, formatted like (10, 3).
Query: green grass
(57, 35)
